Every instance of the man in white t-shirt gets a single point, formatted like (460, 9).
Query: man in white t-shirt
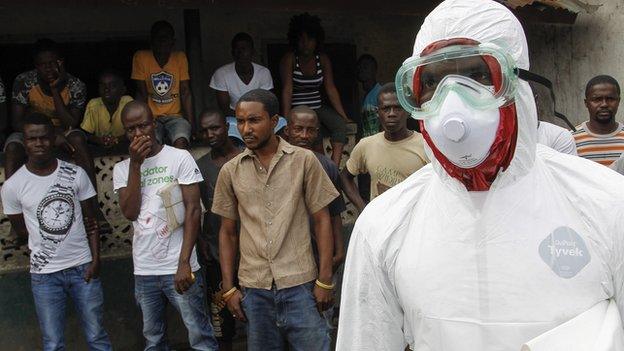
(235, 79)
(163, 253)
(49, 201)
(556, 137)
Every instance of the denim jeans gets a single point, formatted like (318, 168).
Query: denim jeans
(152, 293)
(50, 293)
(290, 314)
(172, 128)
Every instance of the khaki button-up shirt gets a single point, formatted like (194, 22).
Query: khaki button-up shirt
(273, 206)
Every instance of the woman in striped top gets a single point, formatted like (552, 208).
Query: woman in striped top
(304, 71)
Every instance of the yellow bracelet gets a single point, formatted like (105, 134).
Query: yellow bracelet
(324, 286)
(226, 295)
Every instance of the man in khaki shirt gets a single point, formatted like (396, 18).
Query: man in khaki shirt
(390, 156)
(271, 188)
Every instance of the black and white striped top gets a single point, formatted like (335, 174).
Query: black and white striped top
(307, 89)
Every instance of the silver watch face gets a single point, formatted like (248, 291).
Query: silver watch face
(56, 213)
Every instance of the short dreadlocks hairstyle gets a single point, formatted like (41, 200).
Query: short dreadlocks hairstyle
(308, 24)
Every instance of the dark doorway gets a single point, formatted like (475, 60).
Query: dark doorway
(343, 58)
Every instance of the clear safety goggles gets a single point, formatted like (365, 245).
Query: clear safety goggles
(484, 75)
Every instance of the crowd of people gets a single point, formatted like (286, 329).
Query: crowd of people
(271, 239)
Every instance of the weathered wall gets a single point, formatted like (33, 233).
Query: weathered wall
(571, 55)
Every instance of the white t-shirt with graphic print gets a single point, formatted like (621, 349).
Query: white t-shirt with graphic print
(155, 249)
(56, 234)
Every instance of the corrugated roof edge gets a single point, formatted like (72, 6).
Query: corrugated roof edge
(575, 6)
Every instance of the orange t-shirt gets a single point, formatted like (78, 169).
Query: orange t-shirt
(28, 92)
(601, 148)
(163, 83)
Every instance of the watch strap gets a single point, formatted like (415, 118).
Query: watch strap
(63, 185)
(65, 179)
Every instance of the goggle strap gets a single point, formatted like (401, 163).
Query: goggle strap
(536, 78)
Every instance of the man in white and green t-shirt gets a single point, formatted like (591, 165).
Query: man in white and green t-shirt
(164, 257)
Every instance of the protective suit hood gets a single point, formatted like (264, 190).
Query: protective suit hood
(487, 21)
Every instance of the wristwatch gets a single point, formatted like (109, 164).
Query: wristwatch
(55, 215)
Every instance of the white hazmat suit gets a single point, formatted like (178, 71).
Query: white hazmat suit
(435, 267)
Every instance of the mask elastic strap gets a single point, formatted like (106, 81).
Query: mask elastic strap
(530, 76)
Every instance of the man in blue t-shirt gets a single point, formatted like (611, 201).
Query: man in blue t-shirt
(367, 75)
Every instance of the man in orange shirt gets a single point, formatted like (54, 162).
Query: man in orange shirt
(162, 80)
(50, 90)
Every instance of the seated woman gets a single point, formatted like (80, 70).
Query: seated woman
(304, 70)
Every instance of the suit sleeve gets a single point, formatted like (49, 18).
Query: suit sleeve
(370, 315)
(616, 261)
(565, 143)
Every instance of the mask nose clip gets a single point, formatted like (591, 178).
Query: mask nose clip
(455, 129)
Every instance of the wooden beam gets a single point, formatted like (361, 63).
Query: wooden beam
(192, 34)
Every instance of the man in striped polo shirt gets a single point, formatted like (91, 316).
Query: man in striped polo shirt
(601, 139)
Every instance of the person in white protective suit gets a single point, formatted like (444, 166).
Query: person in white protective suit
(499, 240)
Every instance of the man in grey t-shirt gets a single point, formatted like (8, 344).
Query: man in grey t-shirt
(214, 131)
(302, 130)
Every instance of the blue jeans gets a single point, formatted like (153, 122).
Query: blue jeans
(152, 293)
(172, 128)
(50, 293)
(290, 314)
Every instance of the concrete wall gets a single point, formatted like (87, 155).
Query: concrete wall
(571, 55)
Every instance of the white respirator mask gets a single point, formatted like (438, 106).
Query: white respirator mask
(463, 133)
